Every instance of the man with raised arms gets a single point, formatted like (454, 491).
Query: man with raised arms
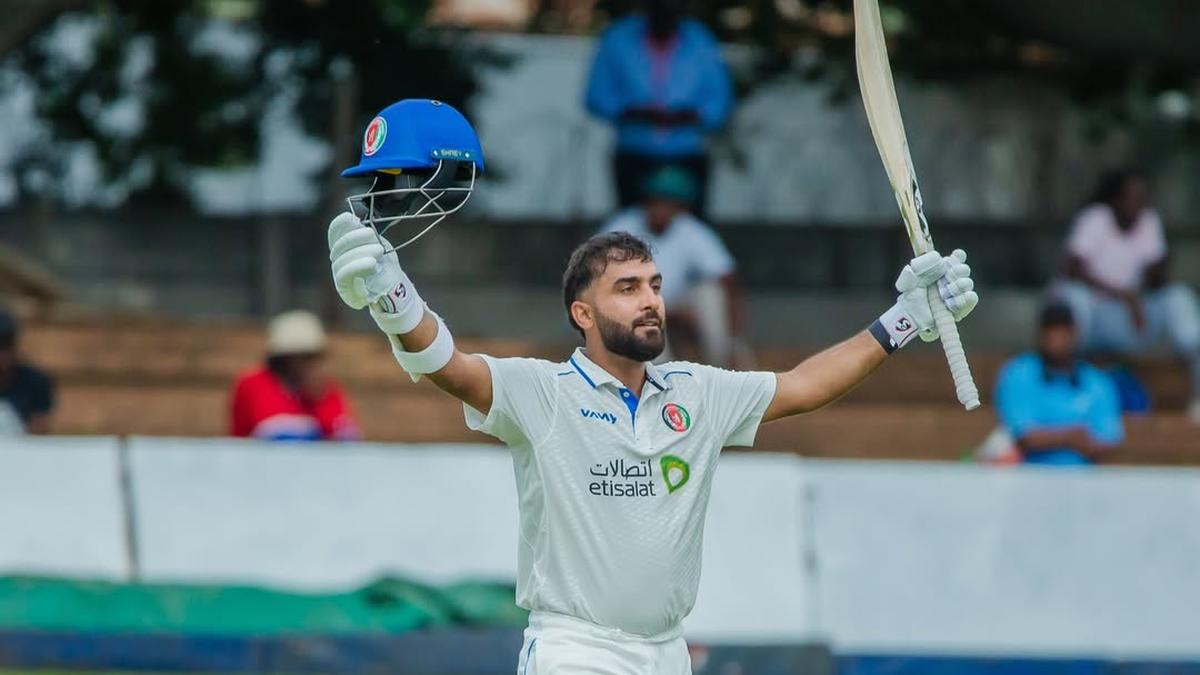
(613, 455)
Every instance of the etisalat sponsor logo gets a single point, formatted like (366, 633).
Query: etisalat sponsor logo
(619, 478)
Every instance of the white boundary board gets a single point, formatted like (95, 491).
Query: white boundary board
(323, 516)
(60, 508)
(946, 558)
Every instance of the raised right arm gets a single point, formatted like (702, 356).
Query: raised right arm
(465, 376)
(366, 276)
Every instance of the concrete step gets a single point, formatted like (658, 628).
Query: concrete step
(158, 378)
(843, 430)
(946, 432)
(214, 354)
(108, 409)
(920, 375)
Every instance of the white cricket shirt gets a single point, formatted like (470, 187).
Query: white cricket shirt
(613, 490)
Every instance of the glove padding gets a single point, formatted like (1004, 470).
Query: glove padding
(366, 276)
(360, 268)
(955, 286)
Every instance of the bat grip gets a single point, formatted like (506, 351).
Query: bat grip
(964, 384)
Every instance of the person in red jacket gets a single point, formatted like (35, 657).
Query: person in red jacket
(290, 397)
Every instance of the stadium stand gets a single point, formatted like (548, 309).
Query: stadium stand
(172, 379)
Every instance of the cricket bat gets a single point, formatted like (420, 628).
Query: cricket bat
(883, 114)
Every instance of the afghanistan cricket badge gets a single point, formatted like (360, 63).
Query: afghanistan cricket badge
(676, 417)
(375, 136)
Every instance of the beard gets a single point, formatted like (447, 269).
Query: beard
(623, 340)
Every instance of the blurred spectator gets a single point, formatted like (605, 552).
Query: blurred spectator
(1117, 284)
(659, 78)
(290, 397)
(705, 309)
(1057, 408)
(26, 393)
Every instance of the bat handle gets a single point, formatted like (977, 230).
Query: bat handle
(964, 384)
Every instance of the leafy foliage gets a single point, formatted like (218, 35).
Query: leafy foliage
(196, 100)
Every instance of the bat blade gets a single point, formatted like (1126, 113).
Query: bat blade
(887, 126)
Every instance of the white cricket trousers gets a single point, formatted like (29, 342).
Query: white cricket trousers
(556, 644)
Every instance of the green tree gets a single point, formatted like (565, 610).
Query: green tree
(200, 107)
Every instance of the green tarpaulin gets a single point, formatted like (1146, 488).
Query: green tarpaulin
(386, 606)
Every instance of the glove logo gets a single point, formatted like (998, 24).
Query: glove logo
(374, 137)
(389, 304)
(903, 325)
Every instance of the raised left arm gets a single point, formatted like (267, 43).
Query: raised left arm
(826, 377)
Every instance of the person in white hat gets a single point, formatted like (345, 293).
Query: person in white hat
(290, 397)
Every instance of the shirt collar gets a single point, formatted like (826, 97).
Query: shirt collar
(595, 376)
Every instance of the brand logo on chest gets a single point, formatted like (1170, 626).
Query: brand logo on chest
(593, 415)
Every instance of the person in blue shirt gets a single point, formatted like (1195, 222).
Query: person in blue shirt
(1059, 409)
(658, 77)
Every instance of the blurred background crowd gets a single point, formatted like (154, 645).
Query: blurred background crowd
(167, 170)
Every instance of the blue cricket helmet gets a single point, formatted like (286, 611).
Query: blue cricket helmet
(417, 133)
(423, 157)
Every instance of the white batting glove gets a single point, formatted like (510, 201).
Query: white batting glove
(365, 276)
(956, 287)
(911, 315)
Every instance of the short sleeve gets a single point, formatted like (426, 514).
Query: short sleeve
(1086, 231)
(1015, 404)
(708, 256)
(524, 401)
(717, 90)
(604, 95)
(1156, 239)
(1104, 414)
(737, 400)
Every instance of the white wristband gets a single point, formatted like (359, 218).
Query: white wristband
(899, 326)
(429, 360)
(399, 310)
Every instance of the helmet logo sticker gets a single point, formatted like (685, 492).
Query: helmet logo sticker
(374, 137)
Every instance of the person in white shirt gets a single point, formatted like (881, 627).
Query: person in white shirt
(1116, 280)
(700, 282)
(613, 455)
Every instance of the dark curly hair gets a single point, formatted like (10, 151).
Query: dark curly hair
(589, 260)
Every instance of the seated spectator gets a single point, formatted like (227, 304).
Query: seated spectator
(1117, 283)
(26, 393)
(290, 397)
(1057, 408)
(700, 283)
